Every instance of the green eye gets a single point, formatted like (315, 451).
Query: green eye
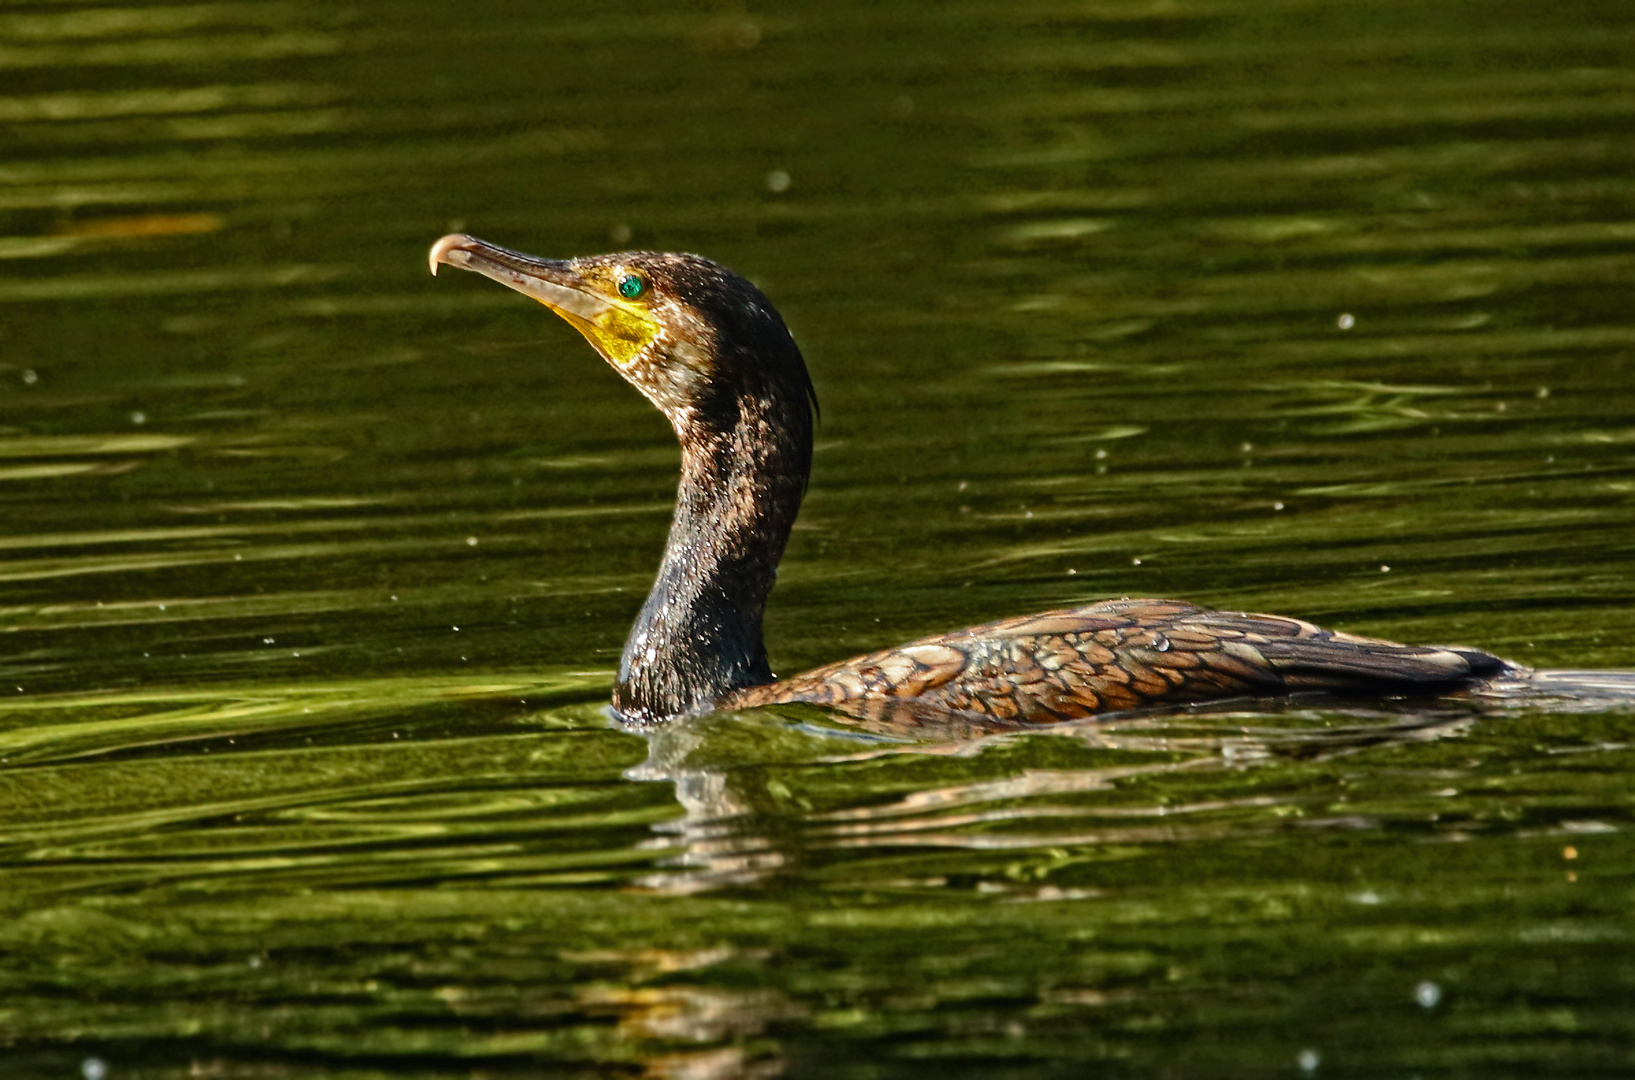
(631, 286)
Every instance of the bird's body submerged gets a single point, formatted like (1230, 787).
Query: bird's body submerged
(1115, 656)
(706, 348)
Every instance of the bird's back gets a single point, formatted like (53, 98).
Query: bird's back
(1116, 656)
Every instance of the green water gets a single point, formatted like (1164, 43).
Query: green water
(315, 568)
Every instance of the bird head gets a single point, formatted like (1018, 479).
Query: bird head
(691, 335)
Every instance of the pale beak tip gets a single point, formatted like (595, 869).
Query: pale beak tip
(442, 251)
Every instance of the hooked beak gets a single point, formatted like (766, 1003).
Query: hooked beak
(620, 330)
(550, 281)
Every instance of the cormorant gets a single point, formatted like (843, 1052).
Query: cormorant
(708, 349)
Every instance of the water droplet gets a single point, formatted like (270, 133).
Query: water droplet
(471, 541)
(93, 1068)
(30, 377)
(1308, 1060)
(1384, 569)
(139, 418)
(1160, 643)
(1346, 321)
(1277, 506)
(777, 181)
(1135, 562)
(1427, 994)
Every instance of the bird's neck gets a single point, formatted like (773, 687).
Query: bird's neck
(698, 636)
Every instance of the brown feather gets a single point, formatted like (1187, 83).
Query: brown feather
(1114, 656)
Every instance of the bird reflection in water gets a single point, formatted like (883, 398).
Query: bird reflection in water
(742, 824)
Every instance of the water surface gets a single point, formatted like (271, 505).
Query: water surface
(317, 568)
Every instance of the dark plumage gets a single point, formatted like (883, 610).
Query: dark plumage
(705, 347)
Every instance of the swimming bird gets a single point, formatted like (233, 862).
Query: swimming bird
(710, 351)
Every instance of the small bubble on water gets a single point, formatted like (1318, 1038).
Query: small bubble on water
(93, 1068)
(1308, 1060)
(1277, 506)
(30, 377)
(777, 181)
(1428, 994)
(139, 418)
(1135, 562)
(1542, 392)
(1346, 321)
(1101, 455)
(255, 961)
(471, 541)
(1384, 569)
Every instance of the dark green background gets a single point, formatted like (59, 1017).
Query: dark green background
(315, 569)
